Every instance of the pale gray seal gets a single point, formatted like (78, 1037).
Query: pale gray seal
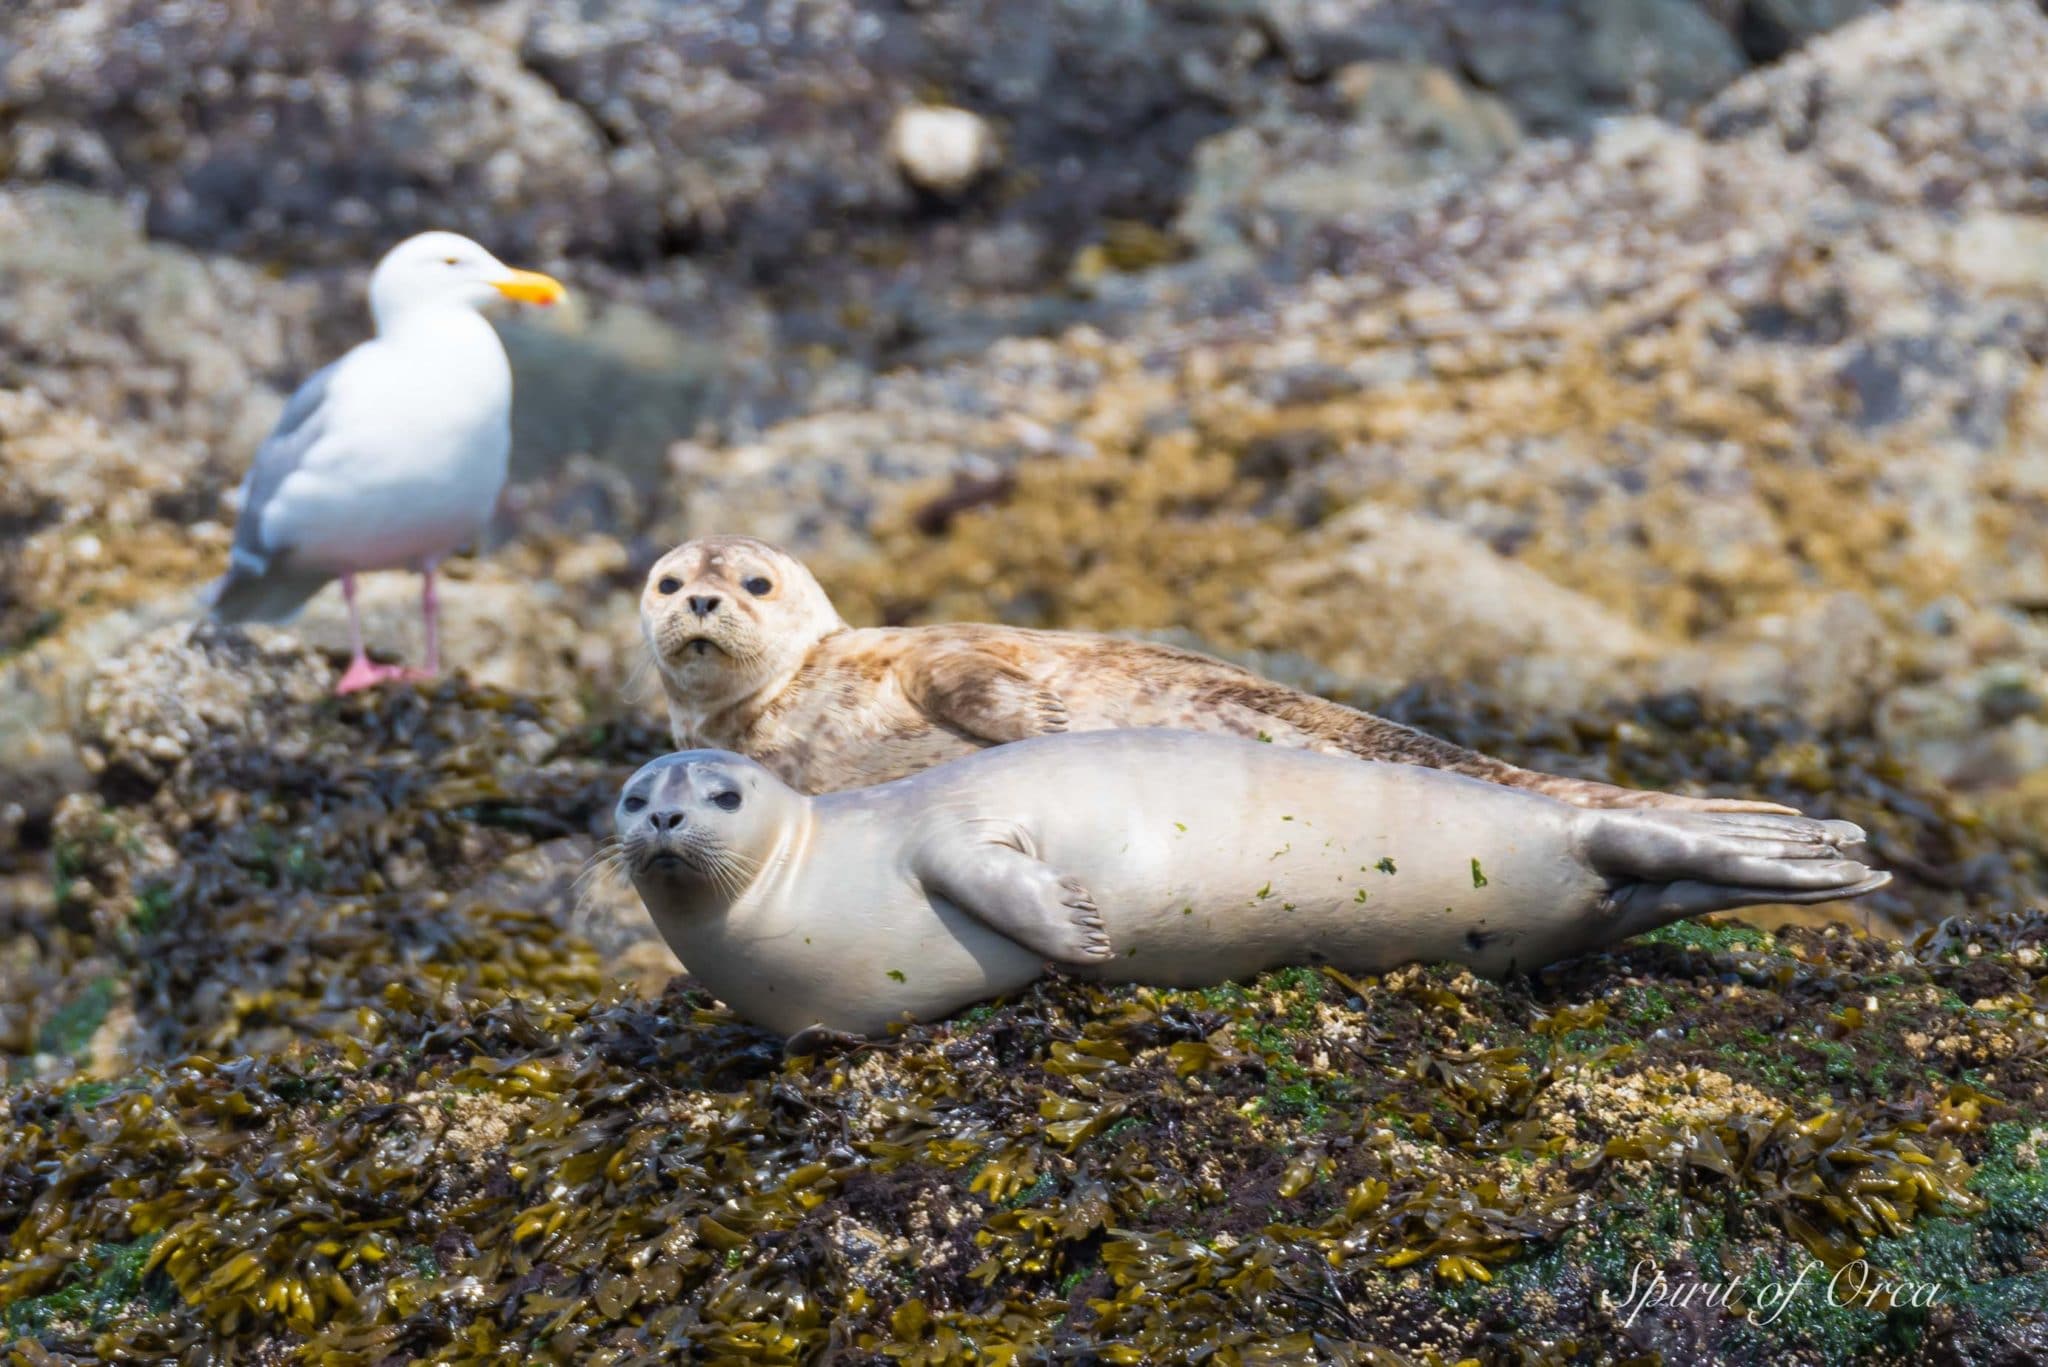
(1164, 857)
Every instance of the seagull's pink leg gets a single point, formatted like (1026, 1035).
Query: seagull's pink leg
(362, 673)
(430, 608)
(430, 613)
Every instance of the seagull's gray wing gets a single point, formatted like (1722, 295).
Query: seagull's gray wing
(282, 452)
(259, 586)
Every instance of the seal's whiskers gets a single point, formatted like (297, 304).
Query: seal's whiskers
(606, 867)
(733, 872)
(645, 671)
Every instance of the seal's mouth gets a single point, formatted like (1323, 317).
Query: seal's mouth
(686, 858)
(647, 852)
(683, 648)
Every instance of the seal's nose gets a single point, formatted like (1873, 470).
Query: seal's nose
(704, 604)
(666, 819)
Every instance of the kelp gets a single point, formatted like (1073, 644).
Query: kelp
(610, 1181)
(373, 1109)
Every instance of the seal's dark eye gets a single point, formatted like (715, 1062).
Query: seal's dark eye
(757, 586)
(729, 802)
(669, 585)
(634, 804)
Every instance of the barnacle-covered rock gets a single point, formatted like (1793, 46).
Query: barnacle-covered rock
(183, 689)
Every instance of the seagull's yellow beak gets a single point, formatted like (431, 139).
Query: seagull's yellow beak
(531, 287)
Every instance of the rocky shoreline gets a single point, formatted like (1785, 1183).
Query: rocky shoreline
(1655, 392)
(320, 1064)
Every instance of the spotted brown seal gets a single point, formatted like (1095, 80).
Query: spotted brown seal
(754, 659)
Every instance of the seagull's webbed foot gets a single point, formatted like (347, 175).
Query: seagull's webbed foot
(363, 673)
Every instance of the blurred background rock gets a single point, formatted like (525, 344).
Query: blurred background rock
(1647, 388)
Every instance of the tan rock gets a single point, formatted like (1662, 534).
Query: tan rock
(1388, 598)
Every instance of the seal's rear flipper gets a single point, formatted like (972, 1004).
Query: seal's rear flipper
(1643, 907)
(1665, 866)
(1013, 893)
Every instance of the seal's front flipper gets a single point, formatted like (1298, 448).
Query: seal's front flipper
(1012, 892)
(984, 696)
(816, 1039)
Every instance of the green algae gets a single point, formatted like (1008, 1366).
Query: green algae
(1716, 935)
(153, 904)
(70, 1028)
(106, 1283)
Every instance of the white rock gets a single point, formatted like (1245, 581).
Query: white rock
(941, 148)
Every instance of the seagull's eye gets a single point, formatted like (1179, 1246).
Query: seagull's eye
(668, 586)
(451, 260)
(757, 586)
(635, 804)
(727, 801)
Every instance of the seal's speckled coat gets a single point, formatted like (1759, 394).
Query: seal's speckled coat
(754, 659)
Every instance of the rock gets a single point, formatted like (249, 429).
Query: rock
(175, 694)
(90, 553)
(84, 506)
(753, 137)
(1644, 375)
(1974, 734)
(1436, 603)
(2002, 251)
(1656, 54)
(1770, 28)
(1832, 662)
(40, 693)
(617, 383)
(1275, 180)
(102, 320)
(940, 148)
(324, 133)
(498, 628)
(1554, 63)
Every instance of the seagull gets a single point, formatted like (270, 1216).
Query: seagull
(392, 456)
